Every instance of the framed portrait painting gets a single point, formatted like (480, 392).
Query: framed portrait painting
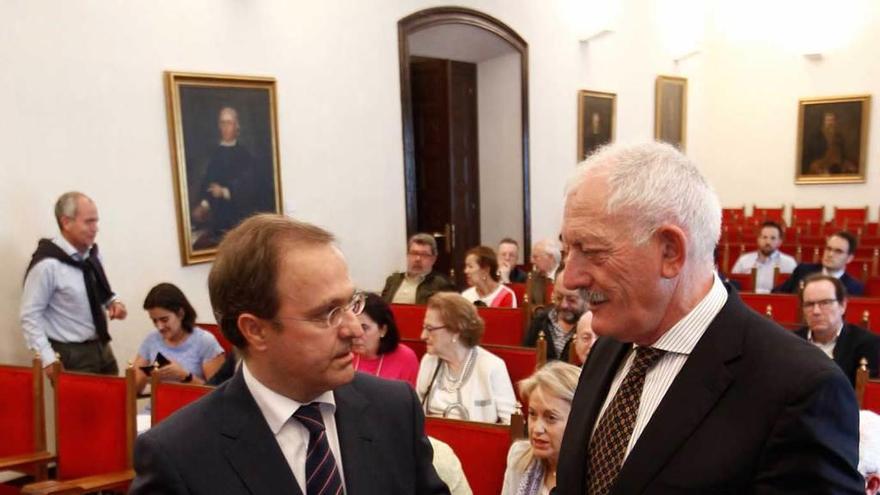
(832, 139)
(224, 148)
(670, 110)
(596, 121)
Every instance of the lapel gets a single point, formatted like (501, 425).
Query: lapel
(355, 440)
(596, 378)
(250, 446)
(694, 392)
(844, 348)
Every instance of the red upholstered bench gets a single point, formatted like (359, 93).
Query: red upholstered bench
(481, 448)
(783, 308)
(167, 397)
(409, 319)
(23, 421)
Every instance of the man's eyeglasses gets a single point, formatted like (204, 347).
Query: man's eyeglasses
(823, 304)
(429, 328)
(334, 317)
(416, 254)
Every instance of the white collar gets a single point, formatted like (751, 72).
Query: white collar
(68, 248)
(276, 408)
(835, 274)
(684, 335)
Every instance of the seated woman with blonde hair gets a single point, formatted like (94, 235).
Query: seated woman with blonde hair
(531, 464)
(458, 378)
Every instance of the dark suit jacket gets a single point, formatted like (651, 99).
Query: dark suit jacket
(793, 284)
(222, 444)
(853, 344)
(433, 283)
(754, 410)
(541, 321)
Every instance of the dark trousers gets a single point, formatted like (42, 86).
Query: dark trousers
(88, 357)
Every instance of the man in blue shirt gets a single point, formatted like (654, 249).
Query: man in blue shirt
(67, 299)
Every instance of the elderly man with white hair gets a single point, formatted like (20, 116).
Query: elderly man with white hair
(687, 390)
(546, 258)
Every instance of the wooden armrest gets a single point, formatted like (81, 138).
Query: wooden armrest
(80, 485)
(14, 461)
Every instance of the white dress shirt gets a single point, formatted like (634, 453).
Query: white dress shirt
(764, 280)
(678, 342)
(292, 436)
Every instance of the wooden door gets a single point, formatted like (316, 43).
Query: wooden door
(444, 97)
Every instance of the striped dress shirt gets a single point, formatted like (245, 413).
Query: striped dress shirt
(678, 343)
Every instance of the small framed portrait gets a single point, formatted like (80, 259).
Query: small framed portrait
(670, 110)
(832, 140)
(596, 121)
(224, 150)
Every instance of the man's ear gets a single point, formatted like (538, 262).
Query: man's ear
(673, 249)
(254, 330)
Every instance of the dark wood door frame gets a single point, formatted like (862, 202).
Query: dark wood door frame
(437, 16)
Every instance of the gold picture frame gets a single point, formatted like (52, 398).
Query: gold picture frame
(670, 110)
(223, 134)
(832, 142)
(597, 120)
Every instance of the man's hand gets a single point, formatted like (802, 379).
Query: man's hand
(117, 311)
(50, 372)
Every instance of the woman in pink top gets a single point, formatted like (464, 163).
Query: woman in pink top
(379, 352)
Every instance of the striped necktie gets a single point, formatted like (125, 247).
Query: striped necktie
(322, 474)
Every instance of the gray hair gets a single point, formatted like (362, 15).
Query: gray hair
(869, 443)
(424, 240)
(652, 184)
(65, 206)
(551, 247)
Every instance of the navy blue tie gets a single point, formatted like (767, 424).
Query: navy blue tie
(322, 474)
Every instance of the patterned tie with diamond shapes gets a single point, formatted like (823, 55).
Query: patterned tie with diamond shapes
(322, 475)
(613, 433)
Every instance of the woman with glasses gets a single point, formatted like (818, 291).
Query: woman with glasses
(379, 351)
(531, 464)
(189, 353)
(481, 274)
(458, 378)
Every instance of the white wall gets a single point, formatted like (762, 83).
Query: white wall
(82, 92)
(500, 147)
(83, 80)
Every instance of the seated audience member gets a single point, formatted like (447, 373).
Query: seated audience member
(419, 282)
(481, 273)
(584, 337)
(766, 258)
(869, 450)
(546, 256)
(839, 251)
(448, 468)
(559, 321)
(379, 351)
(458, 378)
(194, 354)
(824, 302)
(508, 255)
(531, 464)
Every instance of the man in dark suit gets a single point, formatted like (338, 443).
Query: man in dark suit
(839, 252)
(295, 418)
(419, 282)
(824, 302)
(687, 390)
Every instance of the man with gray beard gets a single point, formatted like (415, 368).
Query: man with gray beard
(559, 322)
